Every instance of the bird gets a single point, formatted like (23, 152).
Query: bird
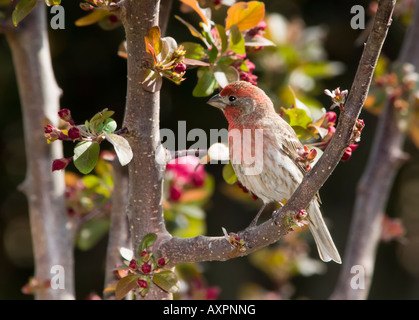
(263, 151)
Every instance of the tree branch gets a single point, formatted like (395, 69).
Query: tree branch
(145, 212)
(375, 185)
(39, 96)
(118, 233)
(165, 10)
(218, 248)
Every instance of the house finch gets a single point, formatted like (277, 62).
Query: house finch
(263, 153)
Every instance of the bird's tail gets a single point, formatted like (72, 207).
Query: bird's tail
(325, 246)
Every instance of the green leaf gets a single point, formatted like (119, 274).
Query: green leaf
(52, 2)
(193, 50)
(212, 54)
(228, 174)
(187, 227)
(125, 285)
(193, 31)
(90, 181)
(297, 117)
(225, 74)
(237, 40)
(108, 23)
(22, 9)
(109, 125)
(91, 233)
(166, 280)
(147, 241)
(86, 154)
(206, 83)
(191, 210)
(99, 118)
(121, 146)
(95, 16)
(222, 34)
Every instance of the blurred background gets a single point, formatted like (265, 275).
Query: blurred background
(93, 77)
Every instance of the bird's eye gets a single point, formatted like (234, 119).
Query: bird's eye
(232, 98)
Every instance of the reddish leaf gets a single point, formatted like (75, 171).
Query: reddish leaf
(125, 285)
(195, 6)
(153, 41)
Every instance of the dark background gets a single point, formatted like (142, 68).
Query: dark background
(93, 77)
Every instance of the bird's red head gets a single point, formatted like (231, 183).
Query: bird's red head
(240, 100)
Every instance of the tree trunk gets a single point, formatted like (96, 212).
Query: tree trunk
(39, 95)
(142, 112)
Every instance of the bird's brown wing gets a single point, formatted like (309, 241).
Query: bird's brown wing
(291, 144)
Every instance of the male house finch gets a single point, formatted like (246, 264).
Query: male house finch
(274, 174)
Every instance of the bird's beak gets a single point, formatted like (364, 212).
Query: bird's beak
(216, 101)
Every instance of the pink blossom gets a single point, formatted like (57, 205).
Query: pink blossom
(247, 75)
(185, 171)
(348, 152)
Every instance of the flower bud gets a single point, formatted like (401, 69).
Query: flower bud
(133, 264)
(145, 267)
(49, 128)
(180, 67)
(74, 133)
(142, 283)
(65, 115)
(59, 164)
(330, 118)
(161, 262)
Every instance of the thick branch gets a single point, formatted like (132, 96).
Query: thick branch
(39, 95)
(145, 180)
(375, 185)
(218, 248)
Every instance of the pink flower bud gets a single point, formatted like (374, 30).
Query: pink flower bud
(133, 264)
(145, 267)
(348, 152)
(161, 262)
(360, 124)
(49, 128)
(65, 115)
(180, 67)
(142, 283)
(330, 117)
(59, 164)
(74, 133)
